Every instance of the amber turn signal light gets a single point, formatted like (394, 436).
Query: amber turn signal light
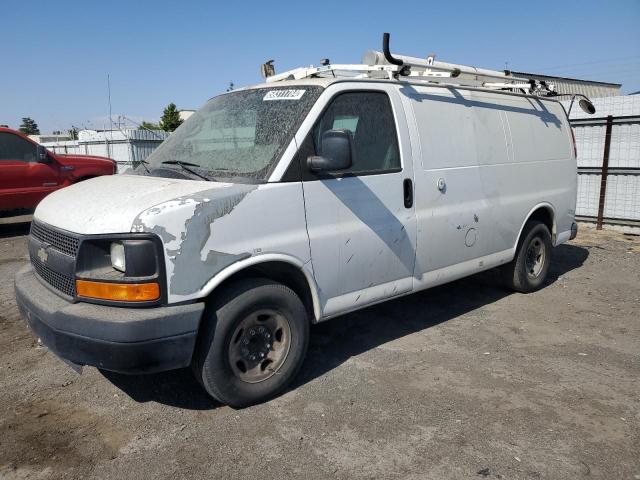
(120, 292)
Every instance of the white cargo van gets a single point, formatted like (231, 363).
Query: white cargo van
(322, 191)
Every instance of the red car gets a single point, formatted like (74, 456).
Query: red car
(29, 172)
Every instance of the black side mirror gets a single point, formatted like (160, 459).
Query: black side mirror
(43, 156)
(336, 152)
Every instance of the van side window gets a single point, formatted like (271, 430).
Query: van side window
(369, 118)
(12, 147)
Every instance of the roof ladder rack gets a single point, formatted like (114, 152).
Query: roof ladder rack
(376, 64)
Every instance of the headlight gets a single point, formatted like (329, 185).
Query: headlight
(127, 268)
(117, 257)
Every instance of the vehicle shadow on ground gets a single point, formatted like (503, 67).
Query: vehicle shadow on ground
(335, 341)
(177, 388)
(8, 230)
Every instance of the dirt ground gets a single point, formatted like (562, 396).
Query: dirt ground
(465, 380)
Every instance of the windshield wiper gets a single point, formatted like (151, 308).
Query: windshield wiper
(185, 166)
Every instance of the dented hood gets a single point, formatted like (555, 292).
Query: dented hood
(111, 204)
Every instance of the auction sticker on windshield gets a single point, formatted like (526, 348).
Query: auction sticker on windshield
(284, 95)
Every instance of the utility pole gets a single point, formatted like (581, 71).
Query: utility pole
(110, 117)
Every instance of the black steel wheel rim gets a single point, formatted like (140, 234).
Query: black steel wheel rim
(259, 345)
(535, 257)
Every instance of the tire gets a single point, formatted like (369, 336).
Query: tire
(249, 318)
(528, 270)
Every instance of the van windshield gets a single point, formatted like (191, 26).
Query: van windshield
(239, 135)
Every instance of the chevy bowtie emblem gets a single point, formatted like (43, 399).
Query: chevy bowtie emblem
(43, 255)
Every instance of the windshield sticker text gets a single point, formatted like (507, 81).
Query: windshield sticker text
(284, 95)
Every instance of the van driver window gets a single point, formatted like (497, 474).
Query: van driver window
(369, 118)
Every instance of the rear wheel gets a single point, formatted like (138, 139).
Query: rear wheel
(528, 270)
(253, 341)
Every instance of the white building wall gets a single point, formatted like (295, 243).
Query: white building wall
(127, 147)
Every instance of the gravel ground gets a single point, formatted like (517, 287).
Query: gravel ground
(465, 380)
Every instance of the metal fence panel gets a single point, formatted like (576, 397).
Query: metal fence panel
(623, 197)
(588, 191)
(625, 146)
(66, 149)
(620, 204)
(621, 105)
(590, 145)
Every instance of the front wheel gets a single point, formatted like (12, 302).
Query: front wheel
(528, 270)
(253, 342)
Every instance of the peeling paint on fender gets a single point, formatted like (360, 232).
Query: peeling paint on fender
(185, 224)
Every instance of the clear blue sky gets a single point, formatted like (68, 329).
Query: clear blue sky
(56, 55)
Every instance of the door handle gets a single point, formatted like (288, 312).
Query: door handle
(408, 192)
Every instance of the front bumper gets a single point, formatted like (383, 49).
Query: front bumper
(125, 340)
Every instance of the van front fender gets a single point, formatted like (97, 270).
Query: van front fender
(256, 260)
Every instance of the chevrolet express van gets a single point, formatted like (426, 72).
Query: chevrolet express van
(289, 203)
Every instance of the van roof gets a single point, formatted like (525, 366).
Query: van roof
(319, 81)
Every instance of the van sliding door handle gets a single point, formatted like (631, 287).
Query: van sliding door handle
(408, 192)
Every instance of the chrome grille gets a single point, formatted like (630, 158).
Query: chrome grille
(65, 245)
(58, 240)
(57, 280)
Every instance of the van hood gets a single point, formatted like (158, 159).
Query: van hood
(112, 204)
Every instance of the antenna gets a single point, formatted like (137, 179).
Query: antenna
(110, 118)
(109, 100)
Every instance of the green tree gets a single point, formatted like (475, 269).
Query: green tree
(73, 133)
(149, 126)
(29, 126)
(170, 118)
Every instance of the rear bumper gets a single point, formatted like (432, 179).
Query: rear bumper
(125, 340)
